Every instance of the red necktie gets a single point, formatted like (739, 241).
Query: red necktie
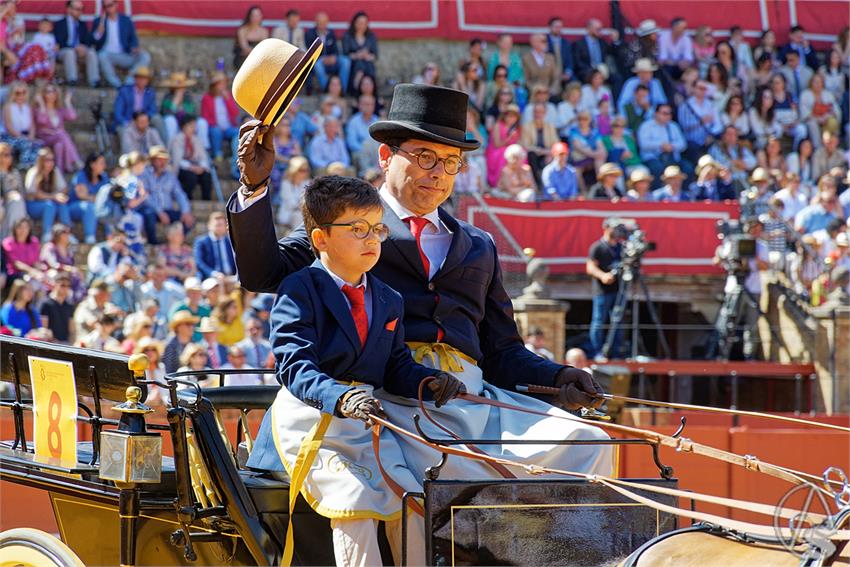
(357, 299)
(213, 357)
(417, 225)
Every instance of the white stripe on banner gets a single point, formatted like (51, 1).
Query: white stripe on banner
(792, 12)
(765, 21)
(623, 214)
(580, 260)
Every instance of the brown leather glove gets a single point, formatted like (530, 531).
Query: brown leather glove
(359, 404)
(578, 389)
(255, 158)
(445, 387)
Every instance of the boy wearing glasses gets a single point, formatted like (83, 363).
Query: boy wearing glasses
(337, 336)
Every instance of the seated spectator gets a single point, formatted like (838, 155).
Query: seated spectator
(221, 114)
(819, 109)
(763, 73)
(194, 358)
(494, 87)
(96, 303)
(57, 311)
(285, 148)
(736, 115)
(540, 67)
(504, 98)
(179, 102)
(568, 109)
(158, 286)
(605, 188)
(51, 112)
(643, 46)
(136, 199)
(213, 251)
(74, 41)
(47, 193)
(430, 75)
(57, 256)
(587, 153)
(331, 61)
(248, 34)
(799, 45)
(714, 182)
(767, 46)
(469, 79)
(179, 257)
(360, 45)
(216, 352)
(699, 120)
(289, 31)
(291, 190)
(19, 122)
(515, 179)
(328, 147)
(357, 130)
(193, 303)
(797, 74)
(639, 182)
(81, 198)
(22, 60)
(104, 257)
(540, 95)
(236, 360)
(834, 73)
(792, 197)
(138, 136)
(254, 345)
(18, 312)
(191, 161)
(621, 146)
(729, 152)
(591, 51)
(643, 70)
(507, 57)
(725, 57)
(328, 108)
(823, 209)
(227, 314)
(661, 142)
(538, 136)
(639, 110)
(672, 191)
(100, 338)
(166, 195)
(772, 158)
(11, 191)
(336, 96)
(134, 98)
(559, 178)
(595, 91)
(21, 251)
(675, 50)
(124, 287)
(802, 163)
(182, 327)
(719, 85)
(828, 156)
(786, 109)
(762, 118)
(755, 200)
(117, 45)
(153, 349)
(141, 327)
(505, 131)
(561, 50)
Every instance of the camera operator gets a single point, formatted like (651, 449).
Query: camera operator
(602, 257)
(747, 273)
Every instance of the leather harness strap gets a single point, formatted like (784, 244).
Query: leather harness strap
(394, 486)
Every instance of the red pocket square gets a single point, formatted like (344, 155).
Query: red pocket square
(391, 325)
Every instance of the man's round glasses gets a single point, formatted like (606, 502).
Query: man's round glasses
(361, 229)
(428, 160)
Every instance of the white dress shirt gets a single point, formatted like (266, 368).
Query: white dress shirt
(367, 292)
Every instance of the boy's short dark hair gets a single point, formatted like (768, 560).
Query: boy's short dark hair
(326, 198)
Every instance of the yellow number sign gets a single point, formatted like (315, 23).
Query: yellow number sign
(54, 394)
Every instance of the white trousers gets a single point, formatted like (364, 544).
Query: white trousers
(356, 541)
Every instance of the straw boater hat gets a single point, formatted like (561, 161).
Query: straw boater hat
(646, 27)
(159, 152)
(672, 171)
(271, 77)
(182, 317)
(424, 112)
(208, 325)
(609, 168)
(644, 64)
(178, 80)
(639, 174)
(142, 72)
(759, 174)
(704, 162)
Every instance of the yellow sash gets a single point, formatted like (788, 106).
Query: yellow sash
(446, 354)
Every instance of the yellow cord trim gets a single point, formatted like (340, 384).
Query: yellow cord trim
(446, 355)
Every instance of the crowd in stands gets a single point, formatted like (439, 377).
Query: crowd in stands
(679, 114)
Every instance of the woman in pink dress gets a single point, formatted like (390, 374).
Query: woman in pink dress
(506, 131)
(51, 112)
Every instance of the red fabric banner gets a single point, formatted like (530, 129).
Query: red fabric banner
(562, 232)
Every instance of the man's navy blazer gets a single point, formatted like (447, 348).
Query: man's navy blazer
(205, 256)
(126, 33)
(465, 298)
(60, 32)
(125, 100)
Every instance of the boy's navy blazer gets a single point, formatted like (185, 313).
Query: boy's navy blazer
(317, 347)
(466, 297)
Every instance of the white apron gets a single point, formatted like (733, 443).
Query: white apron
(344, 481)
(471, 420)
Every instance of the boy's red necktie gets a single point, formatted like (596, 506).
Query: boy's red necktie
(356, 296)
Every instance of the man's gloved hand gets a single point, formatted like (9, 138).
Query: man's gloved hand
(359, 404)
(578, 389)
(255, 158)
(445, 387)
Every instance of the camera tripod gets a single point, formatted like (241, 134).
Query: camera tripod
(630, 287)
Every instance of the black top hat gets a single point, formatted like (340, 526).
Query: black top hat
(435, 114)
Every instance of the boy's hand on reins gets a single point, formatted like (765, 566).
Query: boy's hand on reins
(578, 389)
(359, 404)
(445, 387)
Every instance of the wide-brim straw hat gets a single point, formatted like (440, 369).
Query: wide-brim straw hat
(142, 72)
(271, 77)
(646, 27)
(178, 80)
(425, 112)
(607, 169)
(639, 174)
(182, 317)
(159, 152)
(673, 171)
(759, 174)
(208, 325)
(148, 342)
(644, 64)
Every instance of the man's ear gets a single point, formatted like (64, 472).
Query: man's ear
(319, 238)
(384, 154)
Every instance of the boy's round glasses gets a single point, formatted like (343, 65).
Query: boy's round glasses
(428, 160)
(362, 229)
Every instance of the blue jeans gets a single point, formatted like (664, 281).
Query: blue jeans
(342, 68)
(602, 306)
(47, 212)
(218, 135)
(150, 218)
(84, 211)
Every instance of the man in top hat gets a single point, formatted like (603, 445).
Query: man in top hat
(673, 177)
(116, 42)
(643, 69)
(457, 312)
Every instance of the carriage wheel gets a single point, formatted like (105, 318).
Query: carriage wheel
(27, 547)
